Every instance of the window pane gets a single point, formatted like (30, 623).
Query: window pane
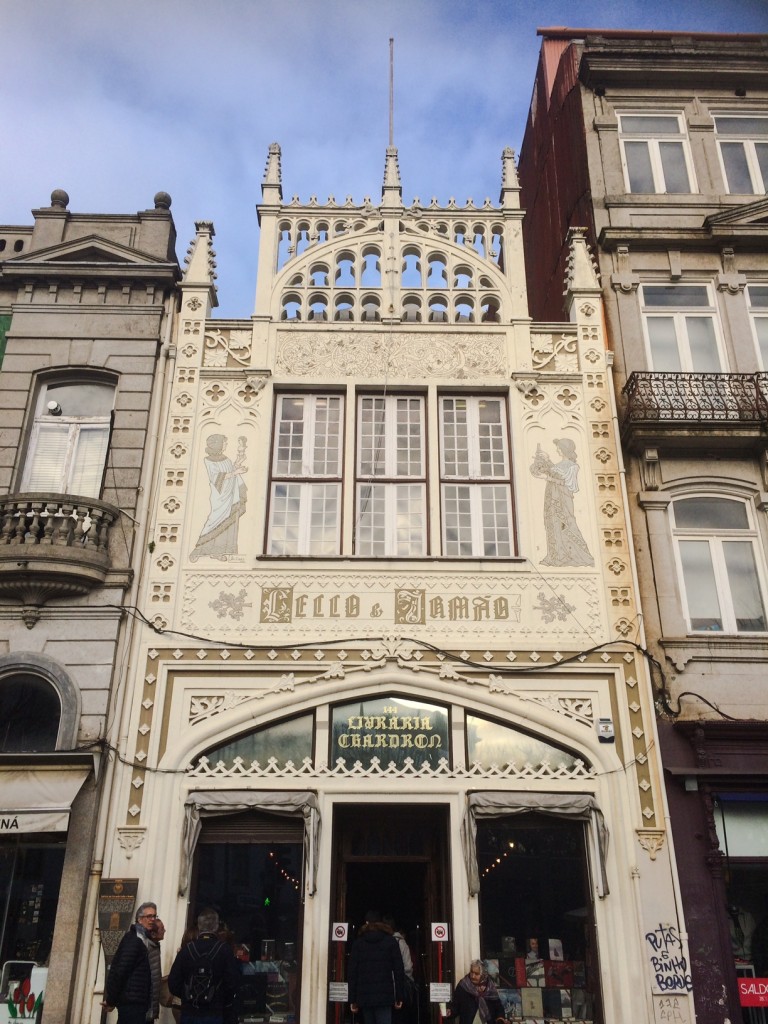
(761, 329)
(371, 532)
(324, 519)
(46, 465)
(702, 343)
(745, 590)
(82, 399)
(736, 168)
(663, 339)
(455, 437)
(327, 447)
(390, 728)
(758, 295)
(88, 461)
(290, 437)
(746, 826)
(489, 743)
(372, 457)
(744, 126)
(409, 437)
(497, 534)
(701, 590)
(711, 513)
(284, 532)
(673, 163)
(285, 741)
(761, 152)
(650, 124)
(30, 711)
(457, 519)
(491, 439)
(409, 519)
(675, 295)
(639, 167)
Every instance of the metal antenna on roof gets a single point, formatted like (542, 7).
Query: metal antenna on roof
(391, 91)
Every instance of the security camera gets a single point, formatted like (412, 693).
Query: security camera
(54, 408)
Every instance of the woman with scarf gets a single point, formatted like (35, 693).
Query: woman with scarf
(475, 998)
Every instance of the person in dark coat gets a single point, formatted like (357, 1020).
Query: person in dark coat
(376, 975)
(476, 995)
(207, 948)
(129, 979)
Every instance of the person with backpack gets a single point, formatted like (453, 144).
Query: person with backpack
(205, 975)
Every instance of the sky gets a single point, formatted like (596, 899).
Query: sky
(115, 100)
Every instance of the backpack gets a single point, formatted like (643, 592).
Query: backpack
(201, 984)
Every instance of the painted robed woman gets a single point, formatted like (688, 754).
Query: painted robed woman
(218, 537)
(565, 543)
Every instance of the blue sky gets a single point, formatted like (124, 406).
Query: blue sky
(114, 101)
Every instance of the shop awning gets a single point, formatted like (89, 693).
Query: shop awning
(229, 801)
(559, 805)
(38, 799)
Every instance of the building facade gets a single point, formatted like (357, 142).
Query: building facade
(657, 145)
(86, 306)
(390, 658)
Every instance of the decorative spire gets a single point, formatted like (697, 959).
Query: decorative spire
(510, 185)
(392, 191)
(581, 275)
(200, 261)
(273, 175)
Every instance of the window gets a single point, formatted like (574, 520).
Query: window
(30, 713)
(743, 145)
(718, 559)
(305, 501)
(476, 489)
(69, 441)
(655, 153)
(757, 297)
(681, 328)
(391, 514)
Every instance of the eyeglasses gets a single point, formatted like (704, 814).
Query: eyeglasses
(148, 917)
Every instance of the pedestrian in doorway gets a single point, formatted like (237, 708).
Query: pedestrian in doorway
(404, 1015)
(476, 998)
(376, 973)
(205, 975)
(129, 980)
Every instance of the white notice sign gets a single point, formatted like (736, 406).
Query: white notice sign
(439, 931)
(339, 931)
(439, 991)
(337, 992)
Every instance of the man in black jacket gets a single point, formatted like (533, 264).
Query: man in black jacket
(205, 975)
(376, 974)
(129, 978)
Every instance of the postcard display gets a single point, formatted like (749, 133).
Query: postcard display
(532, 988)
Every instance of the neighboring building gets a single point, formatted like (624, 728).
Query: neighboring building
(86, 305)
(391, 588)
(657, 144)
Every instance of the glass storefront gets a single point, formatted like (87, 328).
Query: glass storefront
(30, 876)
(537, 935)
(249, 869)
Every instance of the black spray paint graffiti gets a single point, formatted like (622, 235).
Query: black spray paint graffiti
(671, 972)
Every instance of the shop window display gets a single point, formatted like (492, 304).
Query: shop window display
(256, 888)
(536, 919)
(30, 876)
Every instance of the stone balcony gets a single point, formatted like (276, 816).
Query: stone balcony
(52, 546)
(695, 412)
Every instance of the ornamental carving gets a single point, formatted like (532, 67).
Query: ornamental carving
(302, 354)
(228, 348)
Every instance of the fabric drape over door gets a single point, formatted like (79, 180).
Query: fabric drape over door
(558, 805)
(227, 801)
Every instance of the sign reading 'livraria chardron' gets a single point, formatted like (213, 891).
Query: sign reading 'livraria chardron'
(390, 729)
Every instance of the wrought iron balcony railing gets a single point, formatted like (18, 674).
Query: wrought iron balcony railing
(52, 545)
(697, 397)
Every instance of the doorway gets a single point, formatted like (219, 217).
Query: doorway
(392, 858)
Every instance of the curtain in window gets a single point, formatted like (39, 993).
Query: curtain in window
(558, 805)
(225, 801)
